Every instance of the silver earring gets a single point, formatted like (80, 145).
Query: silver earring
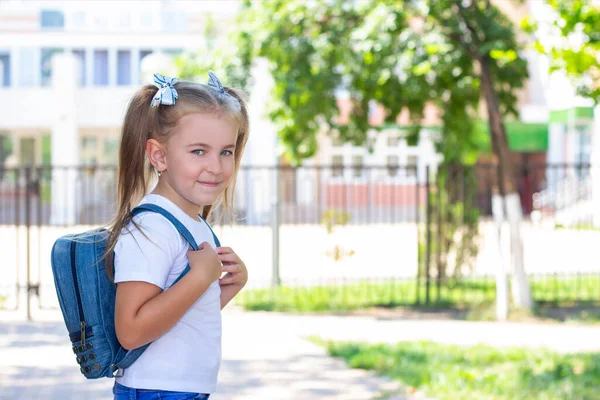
(159, 173)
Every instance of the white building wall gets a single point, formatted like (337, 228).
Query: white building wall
(133, 26)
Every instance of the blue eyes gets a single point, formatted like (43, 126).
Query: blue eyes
(200, 152)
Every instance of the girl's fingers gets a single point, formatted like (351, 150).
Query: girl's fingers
(228, 280)
(224, 250)
(232, 268)
(229, 257)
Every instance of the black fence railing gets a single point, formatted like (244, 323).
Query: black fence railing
(86, 195)
(442, 207)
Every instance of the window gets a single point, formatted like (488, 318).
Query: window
(393, 163)
(52, 19)
(27, 69)
(111, 150)
(4, 70)
(46, 149)
(123, 67)
(583, 149)
(6, 148)
(173, 21)
(124, 20)
(101, 21)
(357, 166)
(143, 54)
(172, 52)
(89, 145)
(78, 20)
(411, 165)
(101, 67)
(337, 163)
(80, 56)
(46, 64)
(146, 20)
(27, 156)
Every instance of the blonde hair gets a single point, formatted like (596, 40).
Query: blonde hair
(143, 122)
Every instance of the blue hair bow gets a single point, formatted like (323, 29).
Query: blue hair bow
(214, 82)
(166, 94)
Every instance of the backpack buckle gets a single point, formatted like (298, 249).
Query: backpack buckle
(118, 372)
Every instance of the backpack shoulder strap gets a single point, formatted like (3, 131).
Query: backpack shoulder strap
(180, 228)
(178, 225)
(217, 242)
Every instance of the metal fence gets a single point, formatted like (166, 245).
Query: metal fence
(86, 195)
(437, 207)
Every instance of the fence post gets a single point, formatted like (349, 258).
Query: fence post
(428, 234)
(275, 279)
(27, 239)
(18, 231)
(418, 224)
(438, 231)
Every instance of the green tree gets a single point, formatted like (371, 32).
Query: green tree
(574, 43)
(402, 55)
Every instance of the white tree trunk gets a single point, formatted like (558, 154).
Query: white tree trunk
(520, 285)
(595, 169)
(502, 300)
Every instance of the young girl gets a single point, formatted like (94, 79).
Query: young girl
(191, 136)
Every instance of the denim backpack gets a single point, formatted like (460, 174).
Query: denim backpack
(87, 298)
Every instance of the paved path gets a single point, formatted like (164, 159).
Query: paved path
(266, 357)
(263, 359)
(563, 338)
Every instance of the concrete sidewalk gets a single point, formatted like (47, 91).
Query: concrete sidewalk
(265, 355)
(263, 358)
(562, 338)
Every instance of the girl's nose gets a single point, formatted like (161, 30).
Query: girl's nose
(215, 165)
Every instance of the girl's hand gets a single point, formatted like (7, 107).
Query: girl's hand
(237, 274)
(205, 262)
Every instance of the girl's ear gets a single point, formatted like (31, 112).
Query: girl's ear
(156, 154)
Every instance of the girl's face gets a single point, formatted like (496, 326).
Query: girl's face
(199, 161)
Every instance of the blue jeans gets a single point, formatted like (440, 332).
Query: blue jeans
(126, 393)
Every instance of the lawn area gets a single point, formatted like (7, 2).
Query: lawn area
(448, 372)
(466, 294)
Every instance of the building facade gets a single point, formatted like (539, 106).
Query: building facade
(109, 41)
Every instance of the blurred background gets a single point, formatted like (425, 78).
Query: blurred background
(420, 173)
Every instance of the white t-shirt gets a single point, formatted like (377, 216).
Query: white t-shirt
(188, 356)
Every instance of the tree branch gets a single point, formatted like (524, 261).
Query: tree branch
(474, 34)
(458, 39)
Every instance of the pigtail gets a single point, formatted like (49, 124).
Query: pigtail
(133, 173)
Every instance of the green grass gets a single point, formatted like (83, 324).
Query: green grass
(578, 227)
(466, 294)
(479, 372)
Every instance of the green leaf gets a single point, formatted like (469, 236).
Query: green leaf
(539, 47)
(529, 25)
(508, 55)
(422, 68)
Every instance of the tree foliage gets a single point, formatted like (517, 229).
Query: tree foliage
(577, 53)
(402, 55)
